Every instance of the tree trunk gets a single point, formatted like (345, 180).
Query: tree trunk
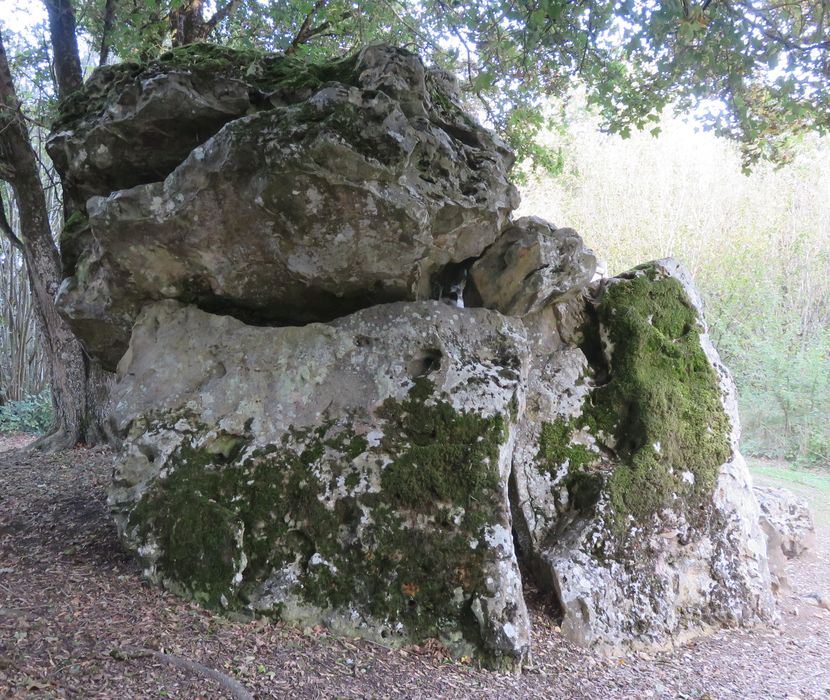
(73, 379)
(64, 46)
(106, 32)
(188, 23)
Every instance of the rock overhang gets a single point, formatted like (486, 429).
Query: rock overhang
(343, 160)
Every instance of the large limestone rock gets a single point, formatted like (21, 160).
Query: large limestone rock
(632, 501)
(530, 266)
(354, 473)
(375, 469)
(324, 191)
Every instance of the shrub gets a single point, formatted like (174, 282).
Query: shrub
(30, 415)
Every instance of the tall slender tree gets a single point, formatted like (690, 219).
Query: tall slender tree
(78, 384)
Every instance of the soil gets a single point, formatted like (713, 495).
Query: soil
(78, 621)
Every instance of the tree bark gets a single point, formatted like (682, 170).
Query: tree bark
(65, 46)
(188, 23)
(106, 32)
(74, 380)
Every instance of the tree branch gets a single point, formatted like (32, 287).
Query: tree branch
(64, 46)
(422, 37)
(457, 33)
(230, 685)
(109, 21)
(776, 35)
(220, 16)
(306, 31)
(6, 227)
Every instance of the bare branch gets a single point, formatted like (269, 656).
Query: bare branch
(457, 33)
(230, 685)
(422, 37)
(220, 15)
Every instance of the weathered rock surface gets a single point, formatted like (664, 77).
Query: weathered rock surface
(354, 473)
(531, 265)
(789, 517)
(631, 498)
(133, 124)
(354, 188)
(375, 469)
(357, 473)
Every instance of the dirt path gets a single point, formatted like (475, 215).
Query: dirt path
(73, 609)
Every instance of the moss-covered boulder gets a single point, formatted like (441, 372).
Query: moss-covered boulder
(354, 471)
(633, 503)
(384, 473)
(277, 191)
(353, 474)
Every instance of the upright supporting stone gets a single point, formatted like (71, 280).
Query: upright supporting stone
(352, 474)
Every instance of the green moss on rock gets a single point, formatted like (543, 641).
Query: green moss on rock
(98, 92)
(449, 456)
(661, 402)
(657, 410)
(197, 533)
(558, 449)
(225, 517)
(266, 72)
(556, 446)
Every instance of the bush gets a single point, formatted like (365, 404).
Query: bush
(30, 415)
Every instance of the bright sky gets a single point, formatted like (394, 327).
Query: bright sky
(19, 15)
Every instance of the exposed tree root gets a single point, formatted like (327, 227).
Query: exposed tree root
(53, 442)
(231, 686)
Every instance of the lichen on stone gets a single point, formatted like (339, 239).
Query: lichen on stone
(401, 548)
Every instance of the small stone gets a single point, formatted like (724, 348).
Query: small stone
(788, 517)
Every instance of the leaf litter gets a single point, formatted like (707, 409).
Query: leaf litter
(78, 621)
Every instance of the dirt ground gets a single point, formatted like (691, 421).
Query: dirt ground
(75, 617)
